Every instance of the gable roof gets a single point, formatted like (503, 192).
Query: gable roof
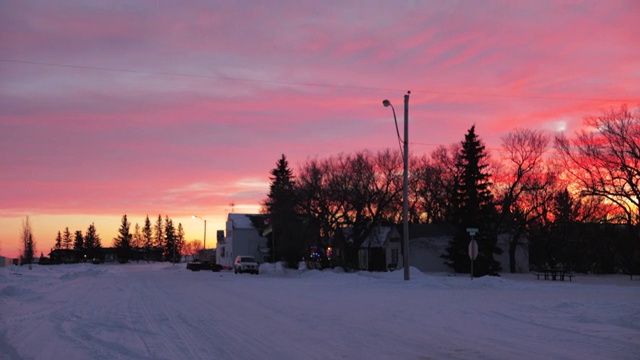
(378, 236)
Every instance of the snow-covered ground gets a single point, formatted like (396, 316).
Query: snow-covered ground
(160, 311)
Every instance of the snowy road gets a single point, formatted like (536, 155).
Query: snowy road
(159, 311)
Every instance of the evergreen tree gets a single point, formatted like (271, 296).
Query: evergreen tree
(66, 239)
(170, 245)
(180, 241)
(78, 242)
(286, 235)
(159, 239)
(122, 242)
(137, 240)
(147, 236)
(474, 208)
(58, 241)
(92, 243)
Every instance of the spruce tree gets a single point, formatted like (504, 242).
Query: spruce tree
(122, 242)
(136, 240)
(78, 242)
(92, 244)
(66, 239)
(170, 246)
(286, 235)
(158, 240)
(474, 208)
(59, 241)
(180, 241)
(147, 236)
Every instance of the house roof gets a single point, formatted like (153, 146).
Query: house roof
(378, 236)
(241, 221)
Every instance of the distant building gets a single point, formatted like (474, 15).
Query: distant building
(65, 256)
(5, 261)
(243, 237)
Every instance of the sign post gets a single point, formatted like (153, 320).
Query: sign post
(473, 247)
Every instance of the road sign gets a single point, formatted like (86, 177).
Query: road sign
(473, 249)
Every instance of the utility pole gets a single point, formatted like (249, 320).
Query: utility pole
(405, 181)
(405, 190)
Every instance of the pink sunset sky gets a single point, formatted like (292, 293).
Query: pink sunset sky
(182, 108)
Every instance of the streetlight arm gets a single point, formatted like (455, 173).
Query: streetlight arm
(204, 245)
(387, 103)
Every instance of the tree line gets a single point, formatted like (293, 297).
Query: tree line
(160, 241)
(575, 199)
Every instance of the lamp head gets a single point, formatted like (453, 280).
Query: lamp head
(386, 103)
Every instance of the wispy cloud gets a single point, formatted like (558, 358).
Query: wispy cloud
(156, 106)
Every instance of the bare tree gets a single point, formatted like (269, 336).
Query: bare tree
(314, 197)
(604, 160)
(432, 185)
(358, 191)
(523, 184)
(365, 188)
(27, 242)
(192, 248)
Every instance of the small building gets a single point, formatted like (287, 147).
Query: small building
(243, 237)
(381, 250)
(5, 261)
(428, 243)
(65, 256)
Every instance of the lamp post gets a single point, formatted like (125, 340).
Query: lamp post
(204, 245)
(405, 182)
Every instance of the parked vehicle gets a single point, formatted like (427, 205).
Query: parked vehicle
(206, 261)
(245, 263)
(197, 265)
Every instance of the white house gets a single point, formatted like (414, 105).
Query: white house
(428, 242)
(242, 238)
(381, 250)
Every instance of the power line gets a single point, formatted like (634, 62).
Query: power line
(203, 76)
(311, 84)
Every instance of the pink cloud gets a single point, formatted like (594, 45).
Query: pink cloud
(161, 107)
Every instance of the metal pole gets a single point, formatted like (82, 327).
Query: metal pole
(472, 258)
(205, 234)
(405, 190)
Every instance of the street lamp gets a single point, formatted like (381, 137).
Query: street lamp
(405, 182)
(204, 245)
